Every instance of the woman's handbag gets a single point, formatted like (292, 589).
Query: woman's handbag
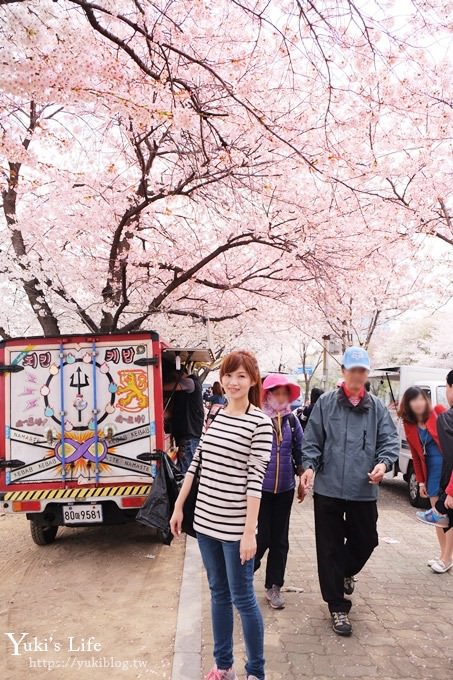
(189, 504)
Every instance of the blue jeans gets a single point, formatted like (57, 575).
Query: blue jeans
(231, 582)
(186, 450)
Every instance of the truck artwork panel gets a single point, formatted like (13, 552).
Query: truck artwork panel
(82, 423)
(97, 391)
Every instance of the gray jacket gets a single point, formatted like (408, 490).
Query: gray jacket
(343, 443)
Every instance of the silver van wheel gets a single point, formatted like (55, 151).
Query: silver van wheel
(414, 490)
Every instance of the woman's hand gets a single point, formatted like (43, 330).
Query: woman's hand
(448, 502)
(248, 546)
(423, 492)
(178, 514)
(176, 521)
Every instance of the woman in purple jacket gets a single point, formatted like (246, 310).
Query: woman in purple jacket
(279, 483)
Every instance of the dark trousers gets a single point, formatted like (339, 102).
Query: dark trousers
(273, 529)
(346, 535)
(440, 507)
(186, 451)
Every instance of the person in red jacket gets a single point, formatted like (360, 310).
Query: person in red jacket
(420, 426)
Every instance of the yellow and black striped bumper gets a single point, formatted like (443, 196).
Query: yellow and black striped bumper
(79, 493)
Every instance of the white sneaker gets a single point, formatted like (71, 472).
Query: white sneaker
(439, 567)
(431, 562)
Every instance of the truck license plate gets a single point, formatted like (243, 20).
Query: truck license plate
(82, 514)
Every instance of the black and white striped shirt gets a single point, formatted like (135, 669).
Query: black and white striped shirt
(235, 452)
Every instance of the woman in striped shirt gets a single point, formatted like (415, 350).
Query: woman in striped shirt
(233, 457)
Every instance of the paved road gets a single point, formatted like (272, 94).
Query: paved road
(402, 613)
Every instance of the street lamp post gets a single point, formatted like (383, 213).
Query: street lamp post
(325, 367)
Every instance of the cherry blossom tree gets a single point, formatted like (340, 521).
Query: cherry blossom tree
(421, 340)
(386, 284)
(187, 160)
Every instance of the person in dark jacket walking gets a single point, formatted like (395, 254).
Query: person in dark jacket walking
(304, 413)
(446, 441)
(279, 484)
(350, 443)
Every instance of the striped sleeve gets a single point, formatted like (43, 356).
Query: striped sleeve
(260, 454)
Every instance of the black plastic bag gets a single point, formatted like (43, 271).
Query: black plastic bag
(174, 478)
(158, 507)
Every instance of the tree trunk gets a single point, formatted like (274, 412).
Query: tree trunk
(31, 284)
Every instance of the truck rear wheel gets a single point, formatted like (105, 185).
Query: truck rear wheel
(414, 490)
(42, 534)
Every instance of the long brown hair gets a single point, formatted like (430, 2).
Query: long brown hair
(217, 389)
(247, 361)
(405, 411)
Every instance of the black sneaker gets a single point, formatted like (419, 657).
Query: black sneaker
(341, 623)
(349, 585)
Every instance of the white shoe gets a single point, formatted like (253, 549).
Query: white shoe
(439, 567)
(431, 562)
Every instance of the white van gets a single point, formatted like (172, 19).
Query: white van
(389, 384)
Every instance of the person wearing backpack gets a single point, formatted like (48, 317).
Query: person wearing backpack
(304, 413)
(279, 483)
(217, 401)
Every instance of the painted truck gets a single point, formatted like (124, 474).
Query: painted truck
(389, 384)
(83, 424)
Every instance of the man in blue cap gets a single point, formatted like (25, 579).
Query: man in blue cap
(349, 444)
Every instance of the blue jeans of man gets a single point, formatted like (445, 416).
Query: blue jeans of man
(186, 450)
(231, 583)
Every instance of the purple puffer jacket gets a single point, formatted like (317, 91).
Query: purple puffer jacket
(280, 471)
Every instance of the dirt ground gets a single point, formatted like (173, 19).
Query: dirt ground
(100, 602)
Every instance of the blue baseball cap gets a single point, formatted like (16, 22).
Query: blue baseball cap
(356, 357)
